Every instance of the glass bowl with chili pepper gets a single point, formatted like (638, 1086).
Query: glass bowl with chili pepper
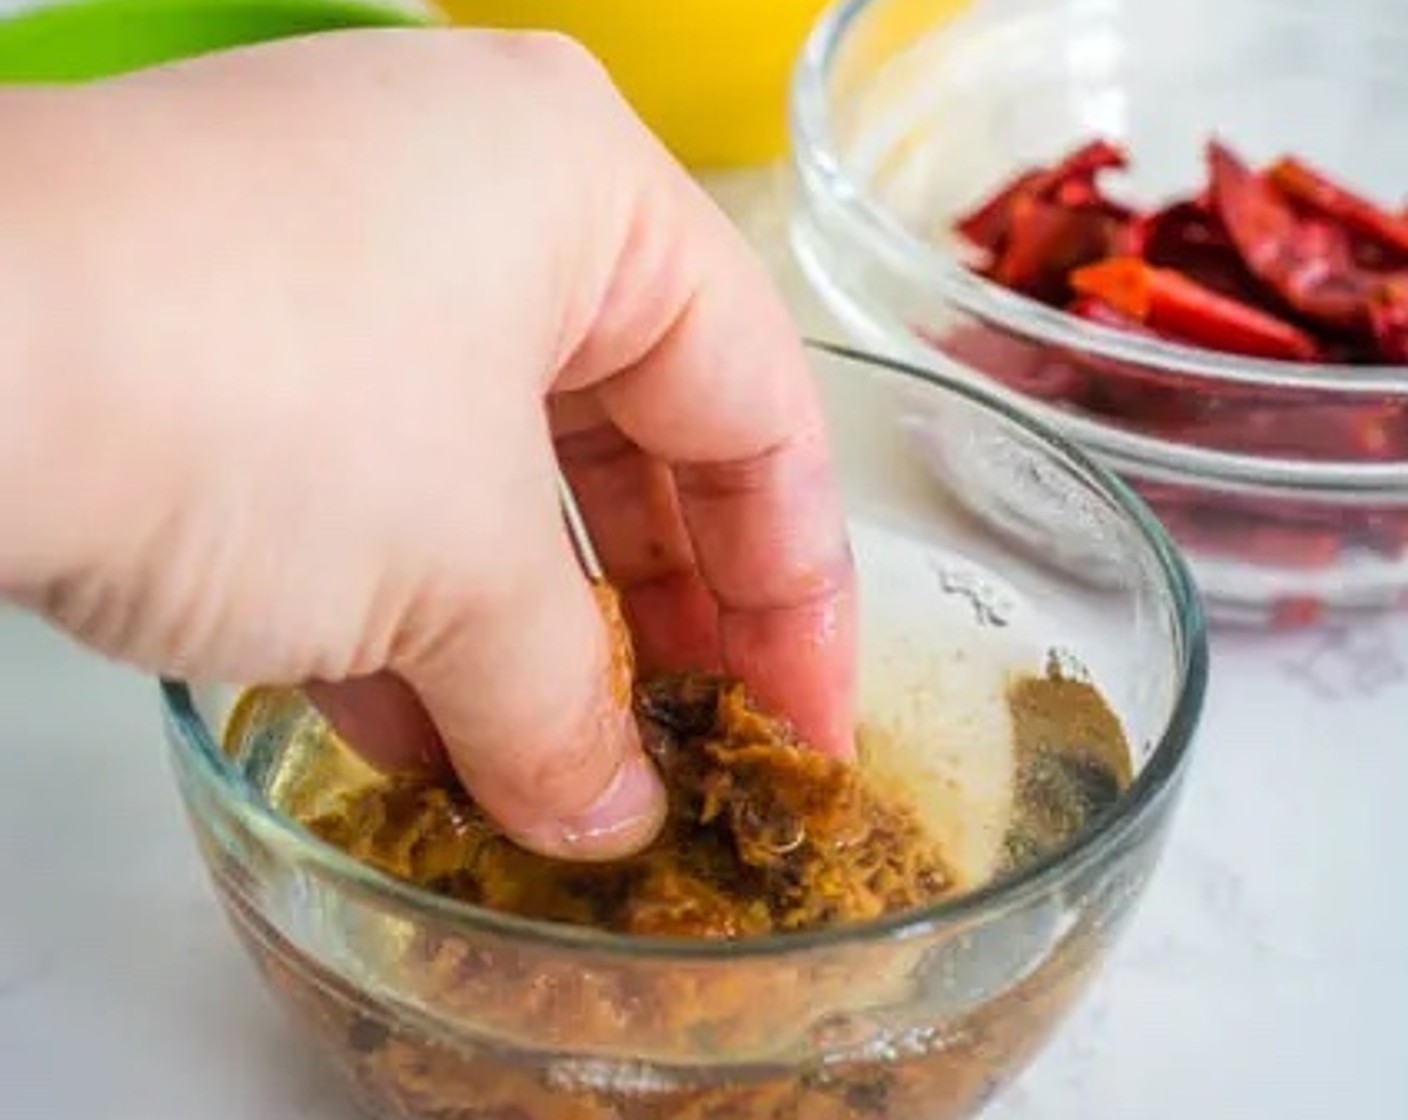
(890, 938)
(1175, 231)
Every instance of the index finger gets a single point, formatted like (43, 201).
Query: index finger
(700, 366)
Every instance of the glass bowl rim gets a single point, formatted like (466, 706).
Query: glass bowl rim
(823, 169)
(203, 760)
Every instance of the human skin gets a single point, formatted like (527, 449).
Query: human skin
(293, 342)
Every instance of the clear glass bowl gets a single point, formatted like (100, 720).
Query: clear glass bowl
(905, 117)
(983, 543)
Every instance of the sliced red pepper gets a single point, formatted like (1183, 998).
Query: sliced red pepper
(1070, 183)
(1094, 310)
(1257, 264)
(1388, 319)
(986, 227)
(1374, 257)
(1089, 160)
(1045, 242)
(1172, 304)
(1277, 247)
(1188, 237)
(1314, 189)
(1085, 194)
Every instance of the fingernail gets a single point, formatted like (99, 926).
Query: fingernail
(623, 819)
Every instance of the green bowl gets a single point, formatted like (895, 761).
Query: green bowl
(88, 39)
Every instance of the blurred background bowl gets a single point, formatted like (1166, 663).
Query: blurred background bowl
(709, 76)
(99, 38)
(434, 1008)
(904, 117)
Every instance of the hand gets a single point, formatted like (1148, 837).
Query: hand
(303, 333)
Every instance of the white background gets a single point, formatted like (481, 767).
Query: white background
(1265, 977)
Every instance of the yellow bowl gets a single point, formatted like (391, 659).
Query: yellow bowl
(709, 76)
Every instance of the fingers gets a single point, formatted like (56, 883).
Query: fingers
(521, 668)
(768, 535)
(628, 501)
(697, 366)
(531, 693)
(529, 703)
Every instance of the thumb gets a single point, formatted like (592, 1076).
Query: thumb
(531, 695)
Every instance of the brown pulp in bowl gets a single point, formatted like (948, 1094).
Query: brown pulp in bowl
(764, 837)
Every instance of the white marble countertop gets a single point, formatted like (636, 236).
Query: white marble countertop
(1266, 975)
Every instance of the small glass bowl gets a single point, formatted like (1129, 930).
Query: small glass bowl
(905, 117)
(438, 1009)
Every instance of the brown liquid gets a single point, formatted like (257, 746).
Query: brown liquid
(795, 843)
(763, 835)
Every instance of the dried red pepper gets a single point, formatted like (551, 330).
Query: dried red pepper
(1280, 264)
(1070, 183)
(1180, 308)
(987, 226)
(1047, 222)
(1189, 238)
(1313, 189)
(1287, 242)
(1048, 242)
(1388, 319)
(1300, 260)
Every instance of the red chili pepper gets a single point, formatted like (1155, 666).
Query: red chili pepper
(1388, 319)
(986, 227)
(1094, 310)
(1315, 190)
(1277, 247)
(1072, 180)
(1069, 184)
(1280, 264)
(1189, 238)
(1045, 242)
(1374, 257)
(1085, 194)
(1172, 304)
